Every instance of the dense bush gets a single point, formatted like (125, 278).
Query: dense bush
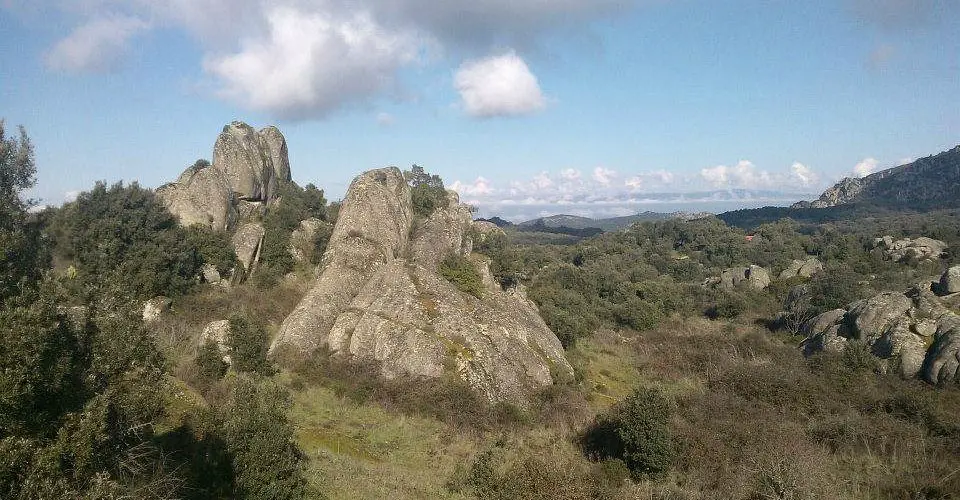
(458, 270)
(22, 256)
(259, 439)
(124, 235)
(210, 361)
(247, 341)
(295, 205)
(637, 431)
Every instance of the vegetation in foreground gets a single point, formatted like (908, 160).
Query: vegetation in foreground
(666, 402)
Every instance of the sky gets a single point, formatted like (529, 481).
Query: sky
(525, 107)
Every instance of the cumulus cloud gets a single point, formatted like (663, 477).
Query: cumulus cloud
(499, 85)
(603, 175)
(803, 174)
(743, 175)
(478, 188)
(96, 46)
(865, 167)
(312, 63)
(570, 174)
(303, 59)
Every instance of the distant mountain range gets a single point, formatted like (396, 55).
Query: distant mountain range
(928, 183)
(585, 226)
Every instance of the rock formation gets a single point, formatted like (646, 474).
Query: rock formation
(248, 167)
(379, 297)
(217, 332)
(802, 268)
(912, 332)
(751, 276)
(950, 281)
(302, 241)
(154, 308)
(931, 182)
(922, 248)
(247, 243)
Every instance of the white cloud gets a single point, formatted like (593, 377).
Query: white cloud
(865, 167)
(95, 47)
(70, 196)
(603, 175)
(312, 63)
(650, 180)
(743, 175)
(803, 174)
(480, 187)
(570, 174)
(499, 85)
(307, 58)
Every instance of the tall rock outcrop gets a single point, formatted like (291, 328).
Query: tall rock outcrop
(379, 297)
(248, 168)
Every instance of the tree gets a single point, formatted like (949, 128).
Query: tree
(21, 252)
(427, 192)
(637, 431)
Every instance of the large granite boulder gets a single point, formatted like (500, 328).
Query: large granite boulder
(802, 268)
(950, 281)
(753, 277)
(248, 168)
(898, 328)
(217, 332)
(378, 297)
(921, 248)
(201, 196)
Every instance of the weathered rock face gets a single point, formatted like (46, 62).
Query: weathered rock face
(248, 167)
(485, 229)
(802, 268)
(302, 240)
(899, 329)
(922, 248)
(247, 242)
(379, 297)
(752, 276)
(950, 281)
(201, 197)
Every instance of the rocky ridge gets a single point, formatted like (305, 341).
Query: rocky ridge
(378, 296)
(929, 182)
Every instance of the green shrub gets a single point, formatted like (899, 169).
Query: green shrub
(253, 424)
(248, 346)
(210, 361)
(636, 430)
(426, 191)
(458, 270)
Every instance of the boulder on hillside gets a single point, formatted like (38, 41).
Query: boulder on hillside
(485, 229)
(899, 329)
(753, 277)
(379, 297)
(217, 332)
(201, 197)
(802, 268)
(921, 248)
(950, 281)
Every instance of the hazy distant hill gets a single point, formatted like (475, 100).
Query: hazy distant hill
(927, 183)
(609, 224)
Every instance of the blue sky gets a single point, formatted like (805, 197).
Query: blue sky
(526, 107)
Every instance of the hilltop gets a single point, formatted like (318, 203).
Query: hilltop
(928, 183)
